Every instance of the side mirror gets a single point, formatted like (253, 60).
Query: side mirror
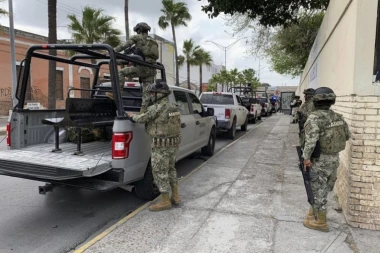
(210, 111)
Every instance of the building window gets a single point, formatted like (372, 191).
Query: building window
(85, 84)
(376, 66)
(59, 85)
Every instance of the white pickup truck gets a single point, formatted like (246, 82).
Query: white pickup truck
(38, 149)
(229, 110)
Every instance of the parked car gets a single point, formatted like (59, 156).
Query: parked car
(254, 108)
(229, 110)
(37, 149)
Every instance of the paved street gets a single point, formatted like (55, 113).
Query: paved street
(3, 143)
(65, 218)
(3, 121)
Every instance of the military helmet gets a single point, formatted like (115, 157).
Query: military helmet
(324, 96)
(159, 87)
(141, 27)
(309, 91)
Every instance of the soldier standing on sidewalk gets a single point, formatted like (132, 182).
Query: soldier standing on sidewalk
(163, 124)
(146, 47)
(304, 112)
(330, 129)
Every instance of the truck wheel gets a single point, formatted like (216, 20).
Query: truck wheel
(146, 188)
(209, 149)
(254, 119)
(259, 117)
(245, 126)
(232, 131)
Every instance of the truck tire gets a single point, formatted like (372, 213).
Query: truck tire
(209, 149)
(245, 126)
(146, 188)
(254, 119)
(232, 131)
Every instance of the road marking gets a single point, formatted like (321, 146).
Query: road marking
(138, 210)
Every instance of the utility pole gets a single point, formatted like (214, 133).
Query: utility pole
(13, 53)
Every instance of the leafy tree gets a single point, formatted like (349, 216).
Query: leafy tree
(174, 15)
(249, 76)
(202, 57)
(189, 50)
(267, 13)
(214, 81)
(95, 27)
(52, 39)
(289, 51)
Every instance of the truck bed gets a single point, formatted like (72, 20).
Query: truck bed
(38, 161)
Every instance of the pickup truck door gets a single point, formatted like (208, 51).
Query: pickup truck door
(200, 123)
(187, 123)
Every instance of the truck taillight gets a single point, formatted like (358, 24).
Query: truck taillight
(120, 145)
(252, 108)
(227, 113)
(8, 134)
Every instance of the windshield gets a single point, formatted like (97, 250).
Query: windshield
(217, 99)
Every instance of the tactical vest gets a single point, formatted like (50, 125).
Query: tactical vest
(166, 128)
(150, 48)
(332, 136)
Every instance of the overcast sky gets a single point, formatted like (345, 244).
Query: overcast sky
(31, 16)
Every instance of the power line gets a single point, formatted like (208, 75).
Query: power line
(71, 10)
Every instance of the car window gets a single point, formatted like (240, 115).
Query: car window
(217, 99)
(197, 106)
(239, 100)
(182, 102)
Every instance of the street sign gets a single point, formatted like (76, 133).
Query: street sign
(33, 106)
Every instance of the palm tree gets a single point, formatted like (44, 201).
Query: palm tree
(95, 27)
(52, 39)
(2, 11)
(174, 15)
(126, 17)
(189, 51)
(202, 57)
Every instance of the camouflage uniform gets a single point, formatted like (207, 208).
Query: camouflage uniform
(163, 126)
(87, 134)
(330, 129)
(150, 49)
(305, 110)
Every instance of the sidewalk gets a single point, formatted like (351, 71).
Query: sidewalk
(3, 129)
(248, 198)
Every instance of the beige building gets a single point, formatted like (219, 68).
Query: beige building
(344, 58)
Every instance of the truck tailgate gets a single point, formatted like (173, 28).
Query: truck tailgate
(219, 111)
(39, 162)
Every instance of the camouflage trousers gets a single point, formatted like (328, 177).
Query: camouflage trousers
(323, 177)
(146, 74)
(163, 167)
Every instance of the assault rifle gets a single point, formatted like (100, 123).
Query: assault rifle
(306, 180)
(132, 50)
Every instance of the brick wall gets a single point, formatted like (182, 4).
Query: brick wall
(358, 184)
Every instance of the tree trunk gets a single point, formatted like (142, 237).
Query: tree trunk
(200, 79)
(188, 76)
(52, 39)
(176, 57)
(126, 17)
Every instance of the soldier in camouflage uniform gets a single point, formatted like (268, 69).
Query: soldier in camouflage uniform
(294, 105)
(163, 124)
(304, 112)
(330, 129)
(149, 47)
